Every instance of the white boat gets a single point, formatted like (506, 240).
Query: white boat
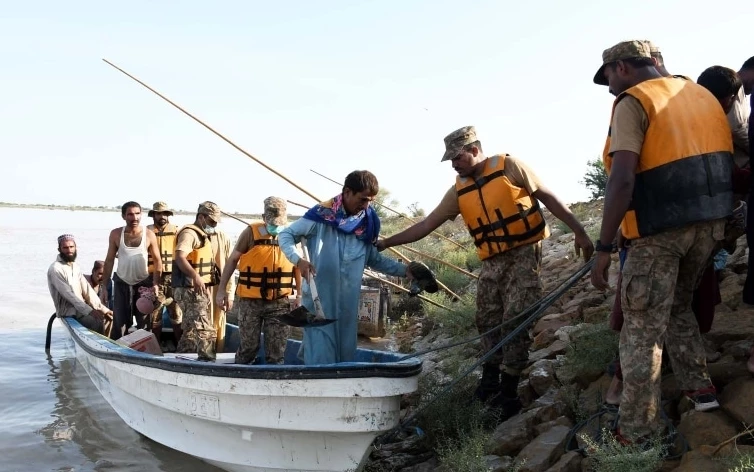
(259, 418)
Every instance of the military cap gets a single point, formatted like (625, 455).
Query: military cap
(160, 207)
(210, 209)
(275, 211)
(455, 141)
(624, 50)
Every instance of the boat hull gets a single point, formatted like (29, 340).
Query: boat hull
(284, 420)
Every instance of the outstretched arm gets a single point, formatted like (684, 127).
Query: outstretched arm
(582, 243)
(413, 233)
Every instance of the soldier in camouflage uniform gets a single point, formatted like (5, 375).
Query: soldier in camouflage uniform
(499, 199)
(266, 280)
(669, 160)
(194, 274)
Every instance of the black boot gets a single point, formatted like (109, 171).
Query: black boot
(489, 386)
(507, 400)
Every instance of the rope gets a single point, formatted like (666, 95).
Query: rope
(525, 324)
(547, 299)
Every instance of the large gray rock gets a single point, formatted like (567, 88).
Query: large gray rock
(738, 400)
(712, 427)
(512, 435)
(569, 462)
(540, 454)
(542, 376)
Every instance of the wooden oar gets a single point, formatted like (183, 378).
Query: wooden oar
(403, 215)
(279, 174)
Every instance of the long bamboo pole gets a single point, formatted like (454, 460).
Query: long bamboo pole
(274, 171)
(403, 215)
(235, 218)
(428, 300)
(442, 285)
(279, 174)
(298, 204)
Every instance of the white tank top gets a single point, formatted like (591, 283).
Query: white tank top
(132, 261)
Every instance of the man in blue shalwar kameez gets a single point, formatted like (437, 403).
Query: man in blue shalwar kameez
(340, 235)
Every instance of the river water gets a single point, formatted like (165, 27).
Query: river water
(52, 416)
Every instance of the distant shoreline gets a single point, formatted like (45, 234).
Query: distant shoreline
(39, 206)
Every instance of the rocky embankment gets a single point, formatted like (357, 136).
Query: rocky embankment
(564, 385)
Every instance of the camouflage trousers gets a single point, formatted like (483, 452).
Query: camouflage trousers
(660, 275)
(508, 284)
(198, 329)
(165, 291)
(254, 317)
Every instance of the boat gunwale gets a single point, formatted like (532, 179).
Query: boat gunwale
(109, 350)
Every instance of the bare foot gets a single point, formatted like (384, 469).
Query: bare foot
(614, 391)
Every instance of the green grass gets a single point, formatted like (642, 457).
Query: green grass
(465, 454)
(591, 349)
(611, 456)
(739, 462)
(458, 322)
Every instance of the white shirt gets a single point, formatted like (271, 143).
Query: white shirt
(738, 119)
(70, 292)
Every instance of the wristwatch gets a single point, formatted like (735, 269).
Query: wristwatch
(599, 247)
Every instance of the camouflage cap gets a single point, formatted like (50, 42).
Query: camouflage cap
(210, 209)
(653, 49)
(455, 141)
(275, 211)
(621, 51)
(160, 207)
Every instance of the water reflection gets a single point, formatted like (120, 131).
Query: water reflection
(83, 420)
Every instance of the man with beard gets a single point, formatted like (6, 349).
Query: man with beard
(131, 244)
(165, 232)
(71, 294)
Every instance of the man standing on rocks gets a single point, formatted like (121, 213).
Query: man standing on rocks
(669, 161)
(499, 199)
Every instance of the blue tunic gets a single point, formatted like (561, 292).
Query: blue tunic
(338, 259)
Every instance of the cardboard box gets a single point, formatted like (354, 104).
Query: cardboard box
(141, 340)
(371, 316)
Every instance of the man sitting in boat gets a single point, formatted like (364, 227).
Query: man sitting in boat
(132, 244)
(95, 279)
(72, 294)
(340, 235)
(194, 273)
(165, 232)
(265, 281)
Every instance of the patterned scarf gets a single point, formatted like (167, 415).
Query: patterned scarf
(365, 224)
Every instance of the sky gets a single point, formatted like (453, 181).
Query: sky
(332, 86)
